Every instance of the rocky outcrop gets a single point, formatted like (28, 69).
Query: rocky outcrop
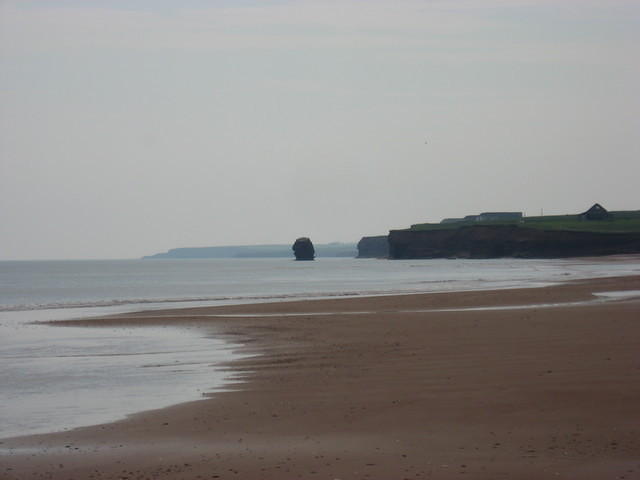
(373, 247)
(494, 241)
(303, 249)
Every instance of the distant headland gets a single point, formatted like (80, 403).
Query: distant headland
(593, 232)
(335, 249)
(510, 234)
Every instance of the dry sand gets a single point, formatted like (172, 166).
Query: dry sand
(534, 393)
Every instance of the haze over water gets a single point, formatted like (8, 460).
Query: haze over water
(132, 127)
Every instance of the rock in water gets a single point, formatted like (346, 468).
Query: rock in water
(303, 249)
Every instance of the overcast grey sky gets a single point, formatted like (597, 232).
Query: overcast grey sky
(132, 127)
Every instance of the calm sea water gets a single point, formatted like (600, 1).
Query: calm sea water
(55, 378)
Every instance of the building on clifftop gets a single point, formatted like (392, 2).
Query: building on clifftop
(596, 212)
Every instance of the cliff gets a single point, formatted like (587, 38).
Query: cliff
(373, 247)
(494, 241)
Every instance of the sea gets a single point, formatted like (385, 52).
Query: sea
(56, 378)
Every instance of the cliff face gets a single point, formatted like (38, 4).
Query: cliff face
(373, 247)
(507, 241)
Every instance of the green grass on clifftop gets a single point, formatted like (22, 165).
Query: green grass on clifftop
(620, 222)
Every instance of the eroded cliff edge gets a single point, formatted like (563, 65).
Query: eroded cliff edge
(494, 241)
(373, 247)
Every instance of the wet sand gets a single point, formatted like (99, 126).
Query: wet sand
(401, 391)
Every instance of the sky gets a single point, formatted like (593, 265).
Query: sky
(131, 127)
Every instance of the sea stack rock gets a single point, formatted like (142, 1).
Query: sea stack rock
(303, 249)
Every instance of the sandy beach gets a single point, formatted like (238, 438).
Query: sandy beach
(388, 387)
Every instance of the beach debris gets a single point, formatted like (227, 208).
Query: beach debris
(303, 249)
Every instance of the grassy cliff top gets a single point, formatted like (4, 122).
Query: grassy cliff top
(619, 222)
